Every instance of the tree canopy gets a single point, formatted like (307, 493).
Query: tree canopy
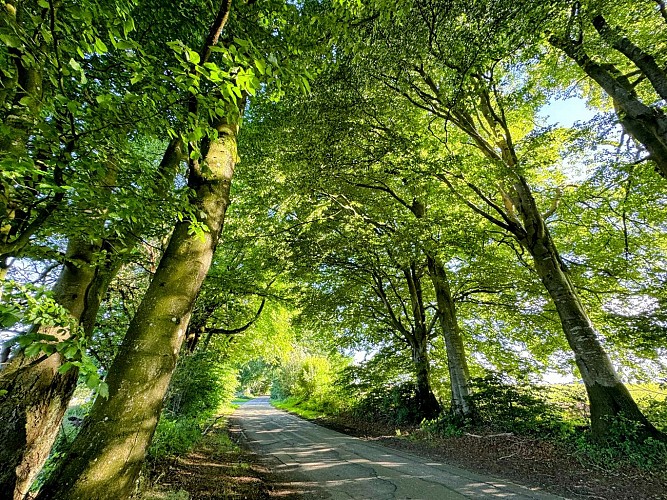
(269, 188)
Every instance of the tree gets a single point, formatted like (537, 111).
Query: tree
(429, 67)
(139, 376)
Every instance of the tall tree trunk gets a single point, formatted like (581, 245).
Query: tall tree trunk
(428, 405)
(418, 339)
(608, 397)
(37, 394)
(457, 364)
(105, 458)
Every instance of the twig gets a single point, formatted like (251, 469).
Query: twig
(211, 425)
(502, 434)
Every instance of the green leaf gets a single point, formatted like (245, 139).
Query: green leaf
(33, 349)
(192, 56)
(10, 40)
(100, 46)
(103, 390)
(103, 99)
(65, 367)
(261, 66)
(93, 380)
(128, 26)
(75, 65)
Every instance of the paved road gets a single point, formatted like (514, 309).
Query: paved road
(327, 464)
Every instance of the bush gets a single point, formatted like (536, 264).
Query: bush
(310, 378)
(522, 408)
(174, 437)
(200, 386)
(622, 445)
(446, 425)
(656, 411)
(394, 405)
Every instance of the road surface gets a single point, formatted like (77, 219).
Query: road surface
(321, 463)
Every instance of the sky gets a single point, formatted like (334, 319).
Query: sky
(565, 112)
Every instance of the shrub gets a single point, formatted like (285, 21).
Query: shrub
(622, 445)
(174, 436)
(522, 408)
(656, 411)
(200, 385)
(446, 425)
(395, 405)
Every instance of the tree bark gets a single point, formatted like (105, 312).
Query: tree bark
(105, 458)
(457, 365)
(428, 405)
(642, 59)
(37, 395)
(418, 339)
(608, 397)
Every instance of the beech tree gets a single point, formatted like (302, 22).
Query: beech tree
(58, 129)
(429, 66)
(139, 376)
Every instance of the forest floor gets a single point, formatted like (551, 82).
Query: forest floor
(221, 468)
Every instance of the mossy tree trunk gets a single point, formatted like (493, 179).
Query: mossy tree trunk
(105, 458)
(416, 334)
(427, 403)
(37, 394)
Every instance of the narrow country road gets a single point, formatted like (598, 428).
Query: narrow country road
(327, 464)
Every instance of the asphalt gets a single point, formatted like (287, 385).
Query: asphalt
(318, 463)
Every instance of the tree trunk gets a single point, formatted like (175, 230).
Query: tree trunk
(428, 405)
(105, 459)
(37, 395)
(418, 339)
(456, 358)
(642, 59)
(608, 397)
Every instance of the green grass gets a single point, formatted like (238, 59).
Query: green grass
(305, 409)
(239, 400)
